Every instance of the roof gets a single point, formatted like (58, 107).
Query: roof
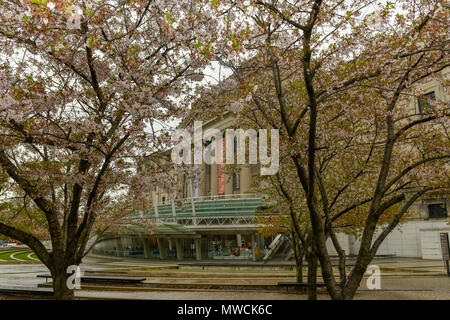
(160, 229)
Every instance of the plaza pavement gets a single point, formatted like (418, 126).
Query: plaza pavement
(402, 278)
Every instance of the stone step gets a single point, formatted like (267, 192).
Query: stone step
(190, 287)
(179, 274)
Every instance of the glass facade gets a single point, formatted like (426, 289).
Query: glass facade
(230, 246)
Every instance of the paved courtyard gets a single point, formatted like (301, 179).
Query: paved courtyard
(401, 279)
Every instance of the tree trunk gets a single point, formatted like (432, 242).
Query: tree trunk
(356, 277)
(299, 266)
(299, 271)
(321, 253)
(312, 276)
(61, 290)
(298, 254)
(341, 254)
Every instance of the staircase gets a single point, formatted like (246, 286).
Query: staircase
(274, 246)
(280, 248)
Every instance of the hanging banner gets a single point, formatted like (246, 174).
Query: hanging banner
(220, 167)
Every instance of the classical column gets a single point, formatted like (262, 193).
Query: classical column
(146, 248)
(162, 248)
(174, 210)
(228, 183)
(155, 205)
(246, 179)
(119, 247)
(261, 245)
(239, 241)
(201, 180)
(253, 247)
(179, 248)
(194, 215)
(198, 249)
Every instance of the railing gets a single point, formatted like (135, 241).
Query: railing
(221, 197)
(194, 211)
(207, 221)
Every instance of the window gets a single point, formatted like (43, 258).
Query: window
(425, 102)
(437, 210)
(184, 186)
(236, 181)
(164, 200)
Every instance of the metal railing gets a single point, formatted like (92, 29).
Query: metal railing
(221, 197)
(208, 220)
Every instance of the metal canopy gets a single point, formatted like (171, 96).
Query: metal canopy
(161, 230)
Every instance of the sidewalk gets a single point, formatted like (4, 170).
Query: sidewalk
(198, 295)
(393, 264)
(402, 278)
(411, 265)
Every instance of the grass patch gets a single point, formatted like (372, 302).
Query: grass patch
(19, 253)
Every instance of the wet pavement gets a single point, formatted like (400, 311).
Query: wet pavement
(21, 275)
(401, 278)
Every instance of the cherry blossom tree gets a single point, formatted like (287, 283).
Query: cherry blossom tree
(340, 80)
(86, 90)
